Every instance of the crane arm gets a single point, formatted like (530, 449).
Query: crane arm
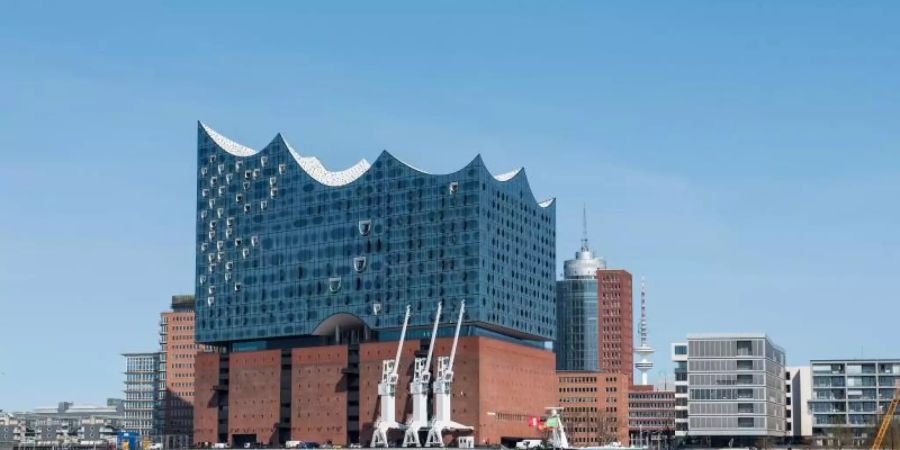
(437, 319)
(402, 337)
(462, 308)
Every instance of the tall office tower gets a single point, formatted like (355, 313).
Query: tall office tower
(304, 275)
(141, 391)
(578, 328)
(616, 326)
(735, 385)
(176, 381)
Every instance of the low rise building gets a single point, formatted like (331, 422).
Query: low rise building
(848, 398)
(65, 424)
(651, 415)
(594, 407)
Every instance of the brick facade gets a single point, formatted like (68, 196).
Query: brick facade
(594, 407)
(616, 334)
(498, 385)
(206, 398)
(319, 394)
(254, 388)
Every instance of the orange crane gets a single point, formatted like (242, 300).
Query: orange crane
(887, 419)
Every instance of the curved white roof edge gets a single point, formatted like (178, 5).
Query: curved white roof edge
(314, 168)
(508, 175)
(227, 144)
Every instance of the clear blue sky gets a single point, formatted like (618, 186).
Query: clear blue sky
(743, 156)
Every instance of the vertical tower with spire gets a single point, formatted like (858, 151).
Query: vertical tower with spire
(577, 338)
(644, 350)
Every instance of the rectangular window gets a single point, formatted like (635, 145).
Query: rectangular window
(745, 422)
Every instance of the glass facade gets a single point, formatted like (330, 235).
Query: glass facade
(577, 312)
(578, 340)
(283, 244)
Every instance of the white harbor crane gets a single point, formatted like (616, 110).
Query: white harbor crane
(387, 392)
(418, 390)
(443, 389)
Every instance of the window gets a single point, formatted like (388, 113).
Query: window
(237, 287)
(744, 364)
(745, 422)
(453, 187)
(334, 284)
(681, 349)
(744, 348)
(359, 263)
(365, 227)
(282, 168)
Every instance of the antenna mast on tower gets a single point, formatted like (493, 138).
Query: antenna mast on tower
(644, 350)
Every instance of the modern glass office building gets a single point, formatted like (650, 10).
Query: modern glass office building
(287, 248)
(578, 340)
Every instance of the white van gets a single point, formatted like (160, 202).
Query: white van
(528, 443)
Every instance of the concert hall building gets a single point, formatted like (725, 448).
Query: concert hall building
(303, 276)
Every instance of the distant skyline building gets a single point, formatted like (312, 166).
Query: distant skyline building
(577, 312)
(141, 392)
(735, 388)
(65, 424)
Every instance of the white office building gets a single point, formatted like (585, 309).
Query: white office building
(735, 389)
